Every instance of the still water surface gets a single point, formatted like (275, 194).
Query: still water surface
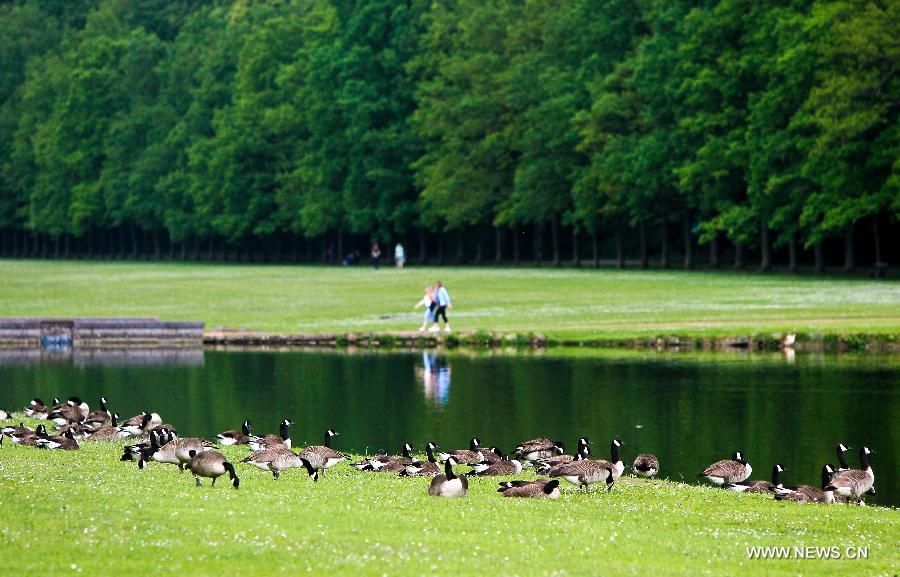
(689, 410)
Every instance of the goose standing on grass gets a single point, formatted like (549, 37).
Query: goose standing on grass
(808, 493)
(428, 468)
(618, 467)
(540, 448)
(282, 438)
(504, 466)
(645, 465)
(212, 465)
(242, 437)
(585, 472)
(469, 456)
(323, 457)
(449, 484)
(539, 489)
(65, 442)
(159, 452)
(855, 482)
(840, 450)
(183, 448)
(759, 486)
(387, 463)
(732, 470)
(278, 458)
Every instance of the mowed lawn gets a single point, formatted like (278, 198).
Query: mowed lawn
(561, 303)
(85, 512)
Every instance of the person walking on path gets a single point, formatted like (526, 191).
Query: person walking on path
(376, 255)
(443, 303)
(399, 255)
(430, 303)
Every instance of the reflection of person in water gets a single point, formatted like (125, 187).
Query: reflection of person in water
(436, 378)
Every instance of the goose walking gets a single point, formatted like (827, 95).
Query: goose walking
(212, 465)
(323, 457)
(585, 472)
(278, 458)
(449, 484)
(726, 471)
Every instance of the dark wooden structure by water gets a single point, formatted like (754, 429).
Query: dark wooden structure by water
(98, 332)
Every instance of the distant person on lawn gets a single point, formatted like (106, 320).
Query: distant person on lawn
(376, 255)
(430, 303)
(443, 303)
(399, 255)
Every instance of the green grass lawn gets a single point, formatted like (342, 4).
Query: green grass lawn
(86, 512)
(572, 304)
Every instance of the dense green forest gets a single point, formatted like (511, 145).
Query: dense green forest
(722, 133)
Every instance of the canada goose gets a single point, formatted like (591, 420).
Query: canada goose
(427, 468)
(211, 464)
(732, 470)
(645, 465)
(183, 448)
(133, 452)
(277, 458)
(141, 424)
(68, 413)
(242, 437)
(160, 452)
(108, 432)
(24, 436)
(808, 493)
(449, 484)
(323, 457)
(283, 438)
(840, 450)
(65, 442)
(583, 451)
(78, 430)
(5, 415)
(585, 472)
(505, 466)
(541, 448)
(759, 486)
(11, 430)
(616, 461)
(855, 482)
(101, 418)
(386, 463)
(37, 409)
(540, 489)
(469, 456)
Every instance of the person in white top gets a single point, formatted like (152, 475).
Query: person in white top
(399, 255)
(429, 301)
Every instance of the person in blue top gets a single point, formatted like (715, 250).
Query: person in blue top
(443, 303)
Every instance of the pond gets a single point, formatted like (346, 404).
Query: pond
(688, 409)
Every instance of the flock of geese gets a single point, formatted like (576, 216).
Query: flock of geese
(160, 443)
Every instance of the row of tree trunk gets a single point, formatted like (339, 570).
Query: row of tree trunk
(133, 243)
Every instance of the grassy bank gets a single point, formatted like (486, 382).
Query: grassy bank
(86, 512)
(575, 305)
